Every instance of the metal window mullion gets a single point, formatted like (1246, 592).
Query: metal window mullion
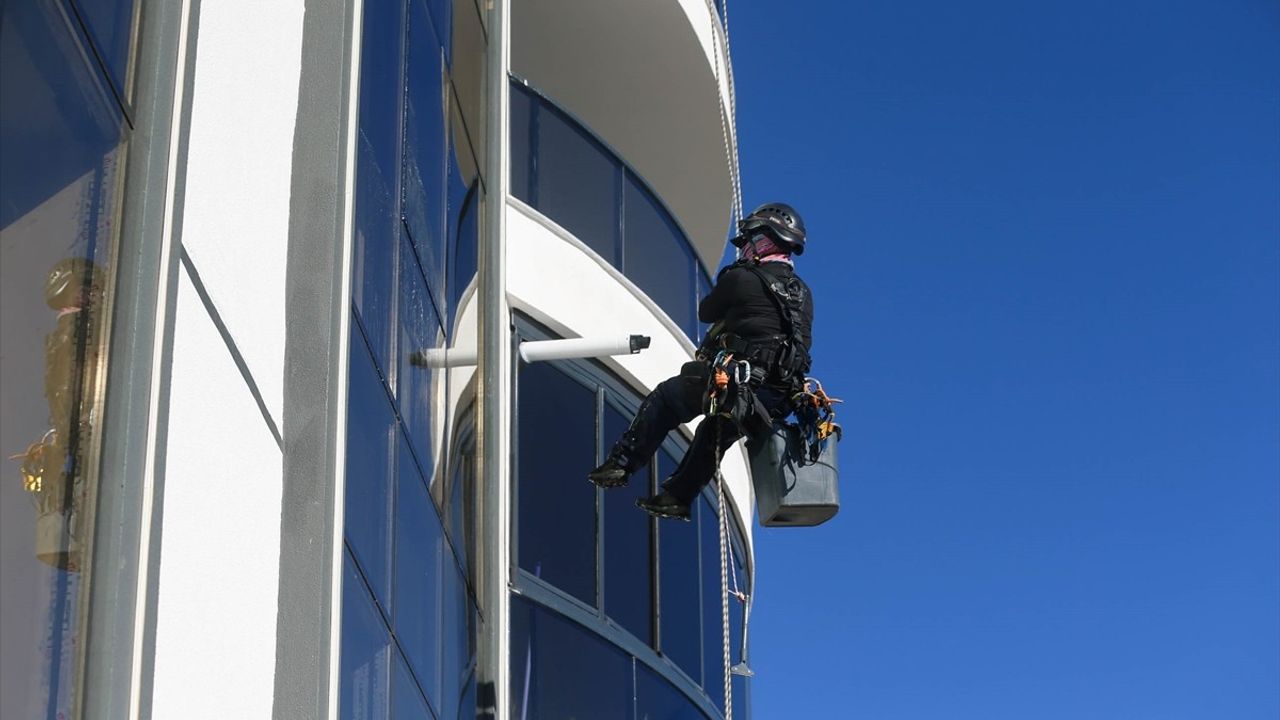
(599, 492)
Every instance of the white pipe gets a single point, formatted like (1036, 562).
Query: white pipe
(536, 350)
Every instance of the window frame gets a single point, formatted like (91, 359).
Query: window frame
(625, 397)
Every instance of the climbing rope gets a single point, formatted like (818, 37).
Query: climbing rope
(728, 120)
(719, 385)
(728, 125)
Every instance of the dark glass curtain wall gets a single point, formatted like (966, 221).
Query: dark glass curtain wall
(409, 612)
(561, 169)
(619, 614)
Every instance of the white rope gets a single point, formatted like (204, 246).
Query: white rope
(728, 127)
(724, 590)
(728, 119)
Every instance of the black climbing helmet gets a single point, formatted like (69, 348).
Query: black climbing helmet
(780, 219)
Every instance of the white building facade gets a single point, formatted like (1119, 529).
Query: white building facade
(270, 447)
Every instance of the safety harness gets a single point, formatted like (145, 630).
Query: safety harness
(783, 355)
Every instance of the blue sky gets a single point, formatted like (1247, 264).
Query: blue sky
(1045, 245)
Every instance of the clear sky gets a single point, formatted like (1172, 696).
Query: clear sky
(1045, 245)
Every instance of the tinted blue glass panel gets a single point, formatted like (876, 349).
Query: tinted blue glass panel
(110, 25)
(424, 162)
(462, 495)
(465, 248)
(463, 190)
(406, 697)
(370, 442)
(712, 609)
(560, 670)
(419, 330)
(557, 446)
(657, 257)
(420, 561)
(441, 12)
(522, 109)
(657, 699)
(458, 653)
(681, 629)
(380, 82)
(56, 122)
(577, 184)
(628, 582)
(364, 669)
(377, 233)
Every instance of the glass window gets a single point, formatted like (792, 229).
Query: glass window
(657, 699)
(57, 126)
(458, 632)
(363, 692)
(577, 184)
(406, 697)
(110, 25)
(370, 442)
(466, 245)
(464, 188)
(62, 134)
(628, 581)
(424, 139)
(380, 83)
(441, 12)
(523, 106)
(466, 71)
(681, 629)
(460, 522)
(561, 670)
(557, 446)
(657, 257)
(419, 330)
(377, 233)
(420, 562)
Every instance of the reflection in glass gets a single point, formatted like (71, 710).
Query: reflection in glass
(419, 330)
(62, 133)
(628, 582)
(458, 648)
(406, 698)
(560, 169)
(377, 234)
(523, 106)
(370, 440)
(577, 184)
(681, 629)
(366, 653)
(421, 560)
(464, 190)
(561, 670)
(658, 258)
(657, 699)
(557, 438)
(424, 154)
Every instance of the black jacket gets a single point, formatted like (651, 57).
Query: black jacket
(741, 302)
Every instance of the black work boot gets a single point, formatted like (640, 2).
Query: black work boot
(665, 505)
(612, 473)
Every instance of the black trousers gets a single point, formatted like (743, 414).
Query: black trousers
(678, 400)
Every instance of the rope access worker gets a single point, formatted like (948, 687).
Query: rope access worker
(762, 316)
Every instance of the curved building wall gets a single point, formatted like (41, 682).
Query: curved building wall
(613, 609)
